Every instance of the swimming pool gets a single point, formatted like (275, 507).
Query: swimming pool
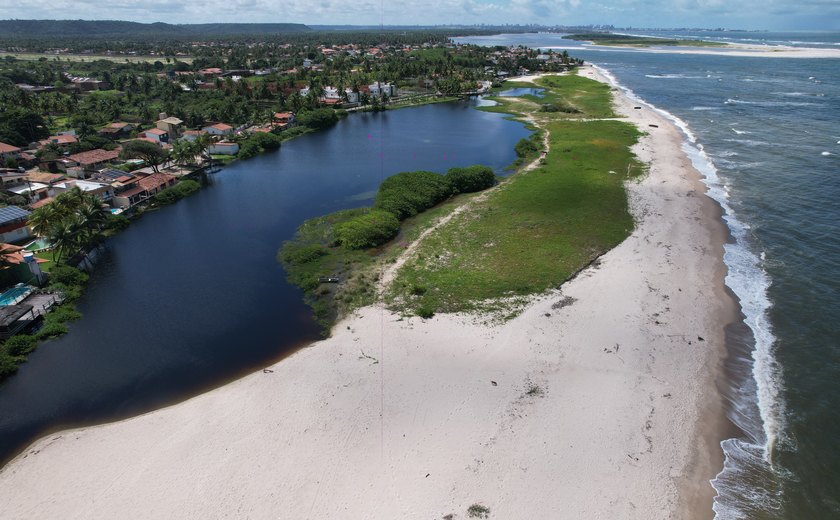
(16, 293)
(38, 245)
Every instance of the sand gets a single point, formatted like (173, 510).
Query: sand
(598, 402)
(732, 49)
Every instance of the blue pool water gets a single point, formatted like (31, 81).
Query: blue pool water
(9, 297)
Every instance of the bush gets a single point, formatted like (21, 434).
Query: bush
(117, 222)
(296, 254)
(559, 107)
(70, 292)
(62, 314)
(8, 364)
(525, 147)
(425, 312)
(320, 118)
(20, 345)
(66, 275)
(51, 330)
(177, 192)
(470, 179)
(258, 143)
(408, 193)
(368, 230)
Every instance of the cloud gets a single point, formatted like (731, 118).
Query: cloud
(638, 13)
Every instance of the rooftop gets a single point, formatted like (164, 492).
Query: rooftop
(94, 156)
(12, 214)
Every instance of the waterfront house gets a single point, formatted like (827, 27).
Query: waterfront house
(218, 129)
(193, 135)
(283, 120)
(35, 191)
(15, 318)
(102, 191)
(16, 267)
(379, 89)
(142, 189)
(13, 227)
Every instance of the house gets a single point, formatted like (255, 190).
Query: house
(12, 177)
(102, 191)
(283, 120)
(331, 93)
(211, 72)
(34, 190)
(89, 161)
(352, 96)
(379, 89)
(218, 129)
(45, 177)
(143, 189)
(13, 227)
(62, 141)
(8, 151)
(193, 135)
(115, 130)
(17, 262)
(157, 135)
(171, 125)
(224, 148)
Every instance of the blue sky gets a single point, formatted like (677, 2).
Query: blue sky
(743, 14)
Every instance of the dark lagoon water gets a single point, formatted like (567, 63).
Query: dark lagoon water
(191, 296)
(766, 133)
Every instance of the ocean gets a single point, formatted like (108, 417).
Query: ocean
(765, 132)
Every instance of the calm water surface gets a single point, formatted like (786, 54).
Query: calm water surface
(191, 296)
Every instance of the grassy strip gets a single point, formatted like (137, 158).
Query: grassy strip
(539, 228)
(640, 41)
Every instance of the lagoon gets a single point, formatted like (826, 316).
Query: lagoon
(191, 296)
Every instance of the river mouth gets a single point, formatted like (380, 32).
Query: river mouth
(191, 296)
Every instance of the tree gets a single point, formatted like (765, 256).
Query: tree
(184, 152)
(150, 153)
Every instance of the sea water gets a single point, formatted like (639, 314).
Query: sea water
(765, 132)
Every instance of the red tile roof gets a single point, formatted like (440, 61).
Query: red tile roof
(156, 131)
(155, 180)
(7, 148)
(94, 156)
(59, 139)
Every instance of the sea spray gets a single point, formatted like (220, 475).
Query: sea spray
(747, 482)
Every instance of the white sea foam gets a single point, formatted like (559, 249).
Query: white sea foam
(740, 132)
(697, 109)
(731, 101)
(826, 153)
(673, 76)
(750, 283)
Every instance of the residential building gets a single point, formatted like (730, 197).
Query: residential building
(62, 141)
(193, 135)
(157, 135)
(142, 189)
(7, 150)
(88, 161)
(218, 129)
(171, 125)
(283, 120)
(13, 225)
(379, 89)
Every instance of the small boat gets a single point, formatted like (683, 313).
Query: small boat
(328, 279)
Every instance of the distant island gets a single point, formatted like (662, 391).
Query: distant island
(640, 41)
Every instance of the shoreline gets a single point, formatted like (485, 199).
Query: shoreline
(411, 418)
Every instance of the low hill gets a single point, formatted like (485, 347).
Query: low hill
(116, 28)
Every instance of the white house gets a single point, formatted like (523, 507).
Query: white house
(331, 93)
(378, 89)
(218, 129)
(161, 136)
(352, 97)
(304, 91)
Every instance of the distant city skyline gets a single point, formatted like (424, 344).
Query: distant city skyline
(745, 14)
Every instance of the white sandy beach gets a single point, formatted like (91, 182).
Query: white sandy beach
(598, 402)
(732, 49)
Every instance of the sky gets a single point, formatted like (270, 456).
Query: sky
(731, 14)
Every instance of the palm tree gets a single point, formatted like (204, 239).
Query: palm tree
(184, 152)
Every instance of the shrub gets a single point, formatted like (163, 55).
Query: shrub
(408, 193)
(66, 275)
(296, 254)
(177, 192)
(478, 511)
(8, 364)
(20, 345)
(368, 230)
(51, 330)
(70, 292)
(470, 179)
(425, 312)
(319, 118)
(63, 313)
(559, 107)
(525, 147)
(258, 143)
(117, 222)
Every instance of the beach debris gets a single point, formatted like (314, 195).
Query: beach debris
(478, 511)
(365, 356)
(494, 383)
(637, 108)
(666, 396)
(563, 302)
(547, 314)
(427, 475)
(653, 125)
(700, 338)
(268, 371)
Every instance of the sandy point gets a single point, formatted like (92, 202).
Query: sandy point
(598, 401)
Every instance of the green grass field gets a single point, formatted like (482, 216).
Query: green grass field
(539, 227)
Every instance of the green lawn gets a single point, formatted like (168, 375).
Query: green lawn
(540, 227)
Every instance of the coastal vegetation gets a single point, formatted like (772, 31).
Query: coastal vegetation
(533, 233)
(640, 41)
